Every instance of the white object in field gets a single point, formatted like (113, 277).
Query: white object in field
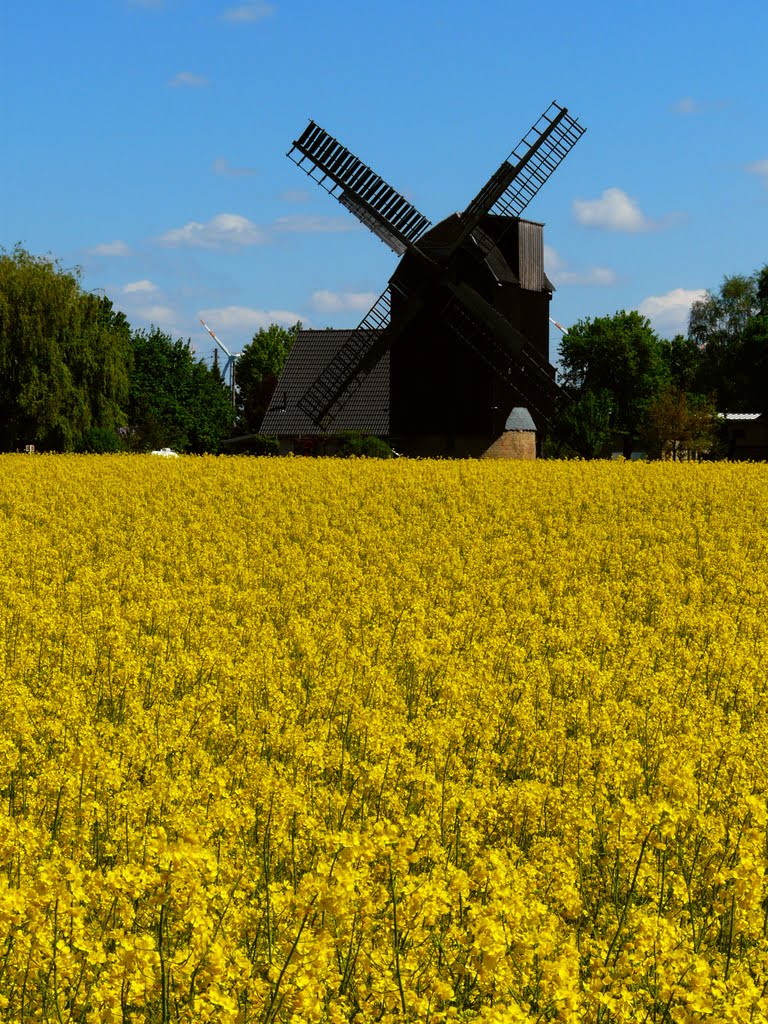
(169, 453)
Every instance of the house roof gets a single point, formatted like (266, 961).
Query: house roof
(366, 411)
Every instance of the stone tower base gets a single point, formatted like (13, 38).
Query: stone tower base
(518, 440)
(513, 444)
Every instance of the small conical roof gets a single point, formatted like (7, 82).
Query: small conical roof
(519, 419)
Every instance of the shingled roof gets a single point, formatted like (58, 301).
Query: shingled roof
(367, 410)
(519, 419)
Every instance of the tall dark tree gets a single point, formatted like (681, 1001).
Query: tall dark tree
(65, 356)
(684, 361)
(176, 401)
(582, 426)
(718, 324)
(617, 357)
(258, 371)
(755, 345)
(754, 355)
(762, 290)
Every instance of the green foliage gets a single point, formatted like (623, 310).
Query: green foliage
(258, 370)
(65, 356)
(719, 319)
(252, 444)
(617, 356)
(754, 354)
(348, 444)
(99, 440)
(683, 360)
(175, 400)
(728, 326)
(351, 443)
(761, 279)
(582, 427)
(678, 426)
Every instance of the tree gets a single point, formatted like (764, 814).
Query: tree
(175, 400)
(258, 371)
(582, 426)
(683, 359)
(619, 356)
(65, 356)
(754, 355)
(720, 317)
(761, 277)
(678, 426)
(718, 324)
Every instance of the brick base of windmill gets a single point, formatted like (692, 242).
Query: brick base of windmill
(518, 440)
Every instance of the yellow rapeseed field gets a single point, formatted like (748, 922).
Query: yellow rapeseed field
(357, 741)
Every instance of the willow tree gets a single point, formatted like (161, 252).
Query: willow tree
(65, 356)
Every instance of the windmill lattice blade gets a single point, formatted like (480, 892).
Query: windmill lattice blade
(509, 190)
(515, 360)
(329, 393)
(375, 203)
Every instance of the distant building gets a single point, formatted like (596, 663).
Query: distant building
(745, 436)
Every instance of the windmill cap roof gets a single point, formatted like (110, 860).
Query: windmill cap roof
(519, 419)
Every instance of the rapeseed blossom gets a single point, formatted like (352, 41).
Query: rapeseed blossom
(323, 741)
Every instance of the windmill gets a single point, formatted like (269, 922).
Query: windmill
(229, 366)
(467, 292)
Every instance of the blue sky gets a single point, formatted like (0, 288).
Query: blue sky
(145, 142)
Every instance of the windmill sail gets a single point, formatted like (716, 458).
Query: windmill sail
(375, 203)
(538, 154)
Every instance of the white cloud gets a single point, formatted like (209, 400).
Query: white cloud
(225, 230)
(613, 211)
(248, 12)
(241, 320)
(601, 277)
(689, 105)
(560, 273)
(188, 80)
(230, 230)
(760, 168)
(313, 223)
(115, 248)
(668, 313)
(341, 302)
(139, 286)
(222, 166)
(295, 195)
(160, 315)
